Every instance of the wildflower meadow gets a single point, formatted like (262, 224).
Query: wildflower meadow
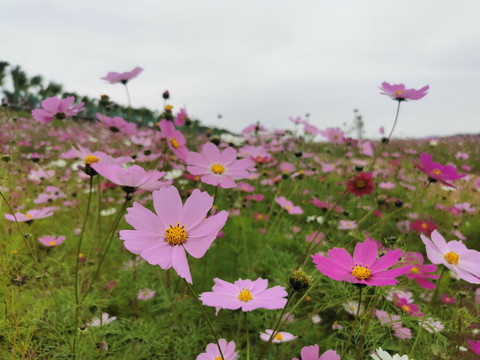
(129, 234)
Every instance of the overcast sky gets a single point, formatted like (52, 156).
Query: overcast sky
(262, 60)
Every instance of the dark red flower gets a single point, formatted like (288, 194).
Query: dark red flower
(424, 227)
(361, 184)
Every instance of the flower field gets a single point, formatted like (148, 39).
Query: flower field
(128, 241)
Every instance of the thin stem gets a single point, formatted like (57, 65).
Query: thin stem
(79, 247)
(370, 311)
(214, 333)
(354, 323)
(129, 103)
(248, 336)
(385, 141)
(274, 331)
(428, 307)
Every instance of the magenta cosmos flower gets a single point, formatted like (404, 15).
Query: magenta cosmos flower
(313, 353)
(132, 178)
(436, 171)
(454, 255)
(175, 139)
(117, 124)
(363, 268)
(288, 205)
(423, 274)
(212, 353)
(55, 108)
(218, 168)
(247, 295)
(163, 238)
(115, 77)
(398, 92)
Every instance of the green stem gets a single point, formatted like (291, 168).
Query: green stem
(428, 307)
(77, 266)
(212, 329)
(248, 336)
(370, 312)
(354, 323)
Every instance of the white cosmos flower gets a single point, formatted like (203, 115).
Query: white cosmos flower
(383, 355)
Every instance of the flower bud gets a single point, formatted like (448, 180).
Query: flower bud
(299, 280)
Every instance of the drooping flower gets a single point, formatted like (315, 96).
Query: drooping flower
(419, 272)
(117, 124)
(431, 325)
(383, 355)
(280, 336)
(218, 168)
(181, 117)
(132, 178)
(347, 225)
(106, 319)
(115, 77)
(175, 139)
(313, 353)
(288, 205)
(454, 255)
(400, 93)
(55, 108)
(212, 352)
(436, 171)
(247, 295)
(163, 238)
(50, 241)
(361, 184)
(363, 268)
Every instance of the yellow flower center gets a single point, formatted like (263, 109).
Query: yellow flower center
(452, 257)
(218, 358)
(245, 295)
(29, 216)
(287, 207)
(399, 92)
(435, 171)
(91, 159)
(176, 235)
(414, 270)
(406, 308)
(51, 243)
(174, 143)
(168, 107)
(279, 337)
(424, 226)
(260, 217)
(361, 272)
(217, 169)
(360, 184)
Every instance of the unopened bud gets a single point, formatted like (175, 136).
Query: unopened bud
(299, 280)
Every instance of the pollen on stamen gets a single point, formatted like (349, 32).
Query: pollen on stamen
(91, 159)
(174, 143)
(279, 337)
(361, 272)
(452, 257)
(435, 171)
(217, 169)
(176, 235)
(245, 295)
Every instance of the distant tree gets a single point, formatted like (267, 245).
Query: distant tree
(3, 73)
(52, 89)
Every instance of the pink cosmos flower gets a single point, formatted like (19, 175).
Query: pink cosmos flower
(424, 227)
(454, 255)
(175, 139)
(246, 295)
(55, 108)
(447, 299)
(346, 225)
(131, 178)
(288, 205)
(31, 215)
(83, 152)
(280, 336)
(145, 294)
(407, 306)
(398, 92)
(437, 172)
(333, 135)
(386, 185)
(50, 241)
(312, 353)
(115, 77)
(181, 117)
(212, 352)
(218, 168)
(163, 238)
(363, 268)
(474, 346)
(310, 129)
(117, 124)
(420, 272)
